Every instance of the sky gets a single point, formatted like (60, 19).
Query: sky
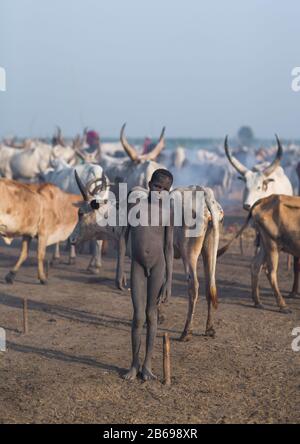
(201, 68)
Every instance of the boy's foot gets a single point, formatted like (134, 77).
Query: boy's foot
(131, 375)
(147, 374)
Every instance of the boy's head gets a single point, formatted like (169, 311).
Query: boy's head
(161, 180)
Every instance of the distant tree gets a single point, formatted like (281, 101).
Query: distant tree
(245, 135)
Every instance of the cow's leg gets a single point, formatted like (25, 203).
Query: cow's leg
(272, 263)
(208, 264)
(10, 277)
(295, 288)
(56, 255)
(72, 254)
(42, 242)
(256, 267)
(190, 260)
(96, 260)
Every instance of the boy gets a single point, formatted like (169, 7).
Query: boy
(151, 273)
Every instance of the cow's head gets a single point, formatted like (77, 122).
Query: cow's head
(140, 158)
(94, 205)
(258, 183)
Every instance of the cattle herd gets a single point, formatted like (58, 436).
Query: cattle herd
(59, 191)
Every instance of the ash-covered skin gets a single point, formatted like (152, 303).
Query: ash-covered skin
(151, 276)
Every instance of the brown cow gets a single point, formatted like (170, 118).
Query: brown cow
(277, 219)
(42, 211)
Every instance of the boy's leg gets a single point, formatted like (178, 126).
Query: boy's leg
(138, 296)
(154, 285)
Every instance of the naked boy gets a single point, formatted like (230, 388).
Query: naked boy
(151, 274)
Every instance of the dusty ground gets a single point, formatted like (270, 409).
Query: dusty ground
(67, 369)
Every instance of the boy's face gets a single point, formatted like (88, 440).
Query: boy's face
(160, 185)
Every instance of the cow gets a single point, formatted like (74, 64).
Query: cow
(63, 177)
(277, 220)
(35, 211)
(92, 213)
(138, 169)
(295, 288)
(262, 180)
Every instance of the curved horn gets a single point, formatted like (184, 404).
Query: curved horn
(127, 147)
(102, 180)
(76, 142)
(60, 136)
(81, 186)
(80, 154)
(234, 162)
(276, 162)
(101, 187)
(157, 149)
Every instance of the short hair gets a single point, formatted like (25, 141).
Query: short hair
(162, 174)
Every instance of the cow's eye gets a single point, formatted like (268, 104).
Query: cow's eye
(95, 205)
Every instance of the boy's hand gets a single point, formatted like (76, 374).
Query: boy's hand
(164, 293)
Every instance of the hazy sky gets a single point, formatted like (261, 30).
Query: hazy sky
(202, 68)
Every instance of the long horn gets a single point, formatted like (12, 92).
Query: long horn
(101, 187)
(80, 154)
(102, 180)
(157, 149)
(81, 186)
(276, 162)
(127, 147)
(234, 162)
(76, 142)
(60, 136)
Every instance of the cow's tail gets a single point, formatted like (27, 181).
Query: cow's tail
(225, 248)
(216, 217)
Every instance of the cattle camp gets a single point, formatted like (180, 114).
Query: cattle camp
(149, 217)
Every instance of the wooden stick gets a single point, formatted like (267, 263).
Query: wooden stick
(25, 316)
(166, 359)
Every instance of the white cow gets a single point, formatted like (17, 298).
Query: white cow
(63, 176)
(29, 164)
(262, 180)
(138, 169)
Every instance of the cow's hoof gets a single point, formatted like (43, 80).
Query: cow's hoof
(72, 261)
(10, 277)
(285, 310)
(186, 336)
(210, 332)
(43, 281)
(120, 286)
(259, 306)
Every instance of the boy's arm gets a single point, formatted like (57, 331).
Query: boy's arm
(120, 273)
(169, 255)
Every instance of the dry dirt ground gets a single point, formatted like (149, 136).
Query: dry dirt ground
(68, 368)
